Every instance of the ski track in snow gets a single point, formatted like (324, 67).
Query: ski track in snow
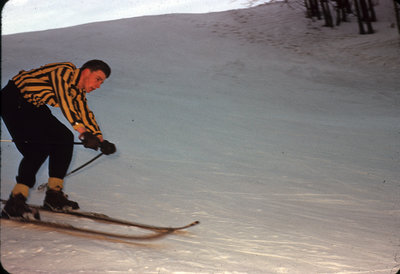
(280, 136)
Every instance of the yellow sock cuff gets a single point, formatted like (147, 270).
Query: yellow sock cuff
(55, 183)
(20, 189)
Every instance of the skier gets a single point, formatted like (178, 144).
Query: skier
(38, 134)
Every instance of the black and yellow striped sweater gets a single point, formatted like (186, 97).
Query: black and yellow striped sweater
(56, 85)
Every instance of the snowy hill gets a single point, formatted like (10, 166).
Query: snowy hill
(280, 136)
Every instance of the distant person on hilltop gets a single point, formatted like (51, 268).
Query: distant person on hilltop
(38, 134)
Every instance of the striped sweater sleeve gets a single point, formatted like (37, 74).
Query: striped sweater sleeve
(74, 106)
(87, 116)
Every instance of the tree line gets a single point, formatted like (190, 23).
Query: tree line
(334, 12)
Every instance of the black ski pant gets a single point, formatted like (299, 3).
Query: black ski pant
(37, 135)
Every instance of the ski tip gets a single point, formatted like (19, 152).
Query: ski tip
(193, 224)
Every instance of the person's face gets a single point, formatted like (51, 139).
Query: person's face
(91, 80)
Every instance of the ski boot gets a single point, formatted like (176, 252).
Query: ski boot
(57, 200)
(16, 207)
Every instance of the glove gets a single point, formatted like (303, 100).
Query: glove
(89, 140)
(107, 148)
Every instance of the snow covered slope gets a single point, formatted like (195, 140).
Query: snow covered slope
(280, 136)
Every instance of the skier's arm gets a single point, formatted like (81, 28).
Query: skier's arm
(88, 118)
(73, 106)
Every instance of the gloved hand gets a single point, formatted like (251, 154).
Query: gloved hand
(89, 140)
(107, 148)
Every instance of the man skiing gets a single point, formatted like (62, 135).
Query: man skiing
(38, 134)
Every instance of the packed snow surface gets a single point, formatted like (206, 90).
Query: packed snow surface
(281, 136)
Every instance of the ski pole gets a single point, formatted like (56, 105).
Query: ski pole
(35, 142)
(43, 186)
(85, 164)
